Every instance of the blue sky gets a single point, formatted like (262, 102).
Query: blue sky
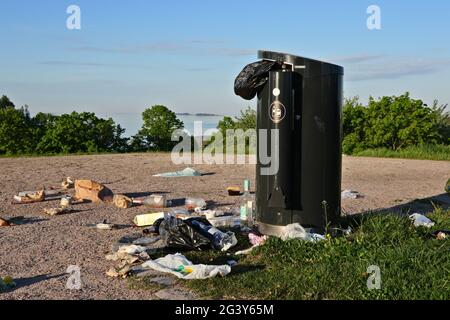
(132, 54)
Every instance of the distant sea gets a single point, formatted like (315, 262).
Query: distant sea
(133, 122)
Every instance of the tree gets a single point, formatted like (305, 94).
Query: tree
(82, 132)
(353, 124)
(247, 120)
(15, 133)
(5, 103)
(156, 132)
(398, 122)
(443, 121)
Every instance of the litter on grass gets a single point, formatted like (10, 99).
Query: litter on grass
(420, 220)
(179, 266)
(188, 172)
(296, 231)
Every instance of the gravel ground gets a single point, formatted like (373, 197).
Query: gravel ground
(37, 254)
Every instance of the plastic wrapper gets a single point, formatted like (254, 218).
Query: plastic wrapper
(253, 78)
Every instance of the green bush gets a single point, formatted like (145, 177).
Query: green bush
(393, 123)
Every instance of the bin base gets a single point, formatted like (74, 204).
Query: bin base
(270, 229)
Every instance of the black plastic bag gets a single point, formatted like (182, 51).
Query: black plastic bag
(253, 77)
(179, 234)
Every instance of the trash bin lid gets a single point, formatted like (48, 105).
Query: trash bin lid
(312, 67)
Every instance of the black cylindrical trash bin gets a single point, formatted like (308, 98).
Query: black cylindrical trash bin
(302, 98)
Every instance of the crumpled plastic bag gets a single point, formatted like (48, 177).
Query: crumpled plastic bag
(179, 266)
(178, 233)
(296, 231)
(188, 172)
(421, 221)
(253, 77)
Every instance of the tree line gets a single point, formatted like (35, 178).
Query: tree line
(81, 132)
(390, 122)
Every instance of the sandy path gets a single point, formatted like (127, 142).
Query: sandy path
(48, 245)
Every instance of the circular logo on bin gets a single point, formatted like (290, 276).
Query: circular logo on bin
(277, 112)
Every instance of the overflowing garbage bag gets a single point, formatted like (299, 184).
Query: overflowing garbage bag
(253, 77)
(193, 233)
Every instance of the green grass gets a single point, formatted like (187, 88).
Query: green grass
(413, 265)
(425, 152)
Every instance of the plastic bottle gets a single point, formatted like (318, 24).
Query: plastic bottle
(153, 201)
(221, 241)
(247, 204)
(194, 203)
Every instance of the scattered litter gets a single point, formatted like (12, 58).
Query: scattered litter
(68, 183)
(195, 204)
(148, 219)
(256, 240)
(226, 221)
(181, 214)
(232, 263)
(30, 197)
(421, 221)
(122, 272)
(57, 211)
(92, 190)
(350, 194)
(188, 172)
(6, 283)
(66, 201)
(153, 201)
(4, 223)
(131, 249)
(144, 241)
(122, 202)
(149, 230)
(220, 240)
(296, 231)
(441, 234)
(180, 234)
(105, 226)
(179, 266)
(234, 191)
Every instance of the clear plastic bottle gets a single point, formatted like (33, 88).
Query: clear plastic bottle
(221, 240)
(153, 201)
(247, 204)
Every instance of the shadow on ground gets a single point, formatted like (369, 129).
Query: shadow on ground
(422, 206)
(25, 282)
